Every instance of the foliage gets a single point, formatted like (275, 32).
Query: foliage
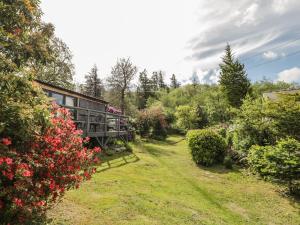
(195, 79)
(151, 123)
(186, 117)
(93, 84)
(27, 42)
(121, 76)
(260, 87)
(174, 82)
(24, 39)
(263, 122)
(228, 162)
(207, 147)
(252, 126)
(23, 108)
(59, 70)
(41, 153)
(216, 107)
(281, 162)
(233, 79)
(145, 89)
(285, 112)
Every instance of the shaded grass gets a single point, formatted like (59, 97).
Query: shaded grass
(159, 184)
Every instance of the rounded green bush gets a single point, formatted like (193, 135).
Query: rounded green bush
(207, 147)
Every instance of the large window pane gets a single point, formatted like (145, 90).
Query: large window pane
(70, 101)
(59, 99)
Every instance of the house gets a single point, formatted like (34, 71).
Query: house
(276, 94)
(90, 114)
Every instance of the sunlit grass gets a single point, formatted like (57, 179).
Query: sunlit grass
(159, 184)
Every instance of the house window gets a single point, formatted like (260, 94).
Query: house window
(59, 99)
(70, 101)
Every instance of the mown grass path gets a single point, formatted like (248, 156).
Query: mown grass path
(159, 184)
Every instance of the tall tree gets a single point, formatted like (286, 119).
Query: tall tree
(59, 70)
(233, 79)
(155, 81)
(93, 84)
(144, 89)
(121, 76)
(24, 38)
(161, 82)
(174, 82)
(195, 79)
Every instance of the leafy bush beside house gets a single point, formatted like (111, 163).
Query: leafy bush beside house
(280, 162)
(263, 122)
(207, 147)
(152, 123)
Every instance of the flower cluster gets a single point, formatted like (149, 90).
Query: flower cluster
(32, 179)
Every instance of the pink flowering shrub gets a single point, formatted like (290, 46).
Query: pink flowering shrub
(36, 172)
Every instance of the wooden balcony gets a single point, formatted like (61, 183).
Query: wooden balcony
(96, 123)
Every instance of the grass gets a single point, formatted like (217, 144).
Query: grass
(159, 184)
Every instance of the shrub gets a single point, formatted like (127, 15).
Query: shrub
(280, 162)
(262, 122)
(152, 123)
(228, 162)
(41, 152)
(186, 117)
(207, 147)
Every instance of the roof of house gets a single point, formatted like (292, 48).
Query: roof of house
(71, 92)
(274, 95)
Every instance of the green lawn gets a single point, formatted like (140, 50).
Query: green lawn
(159, 184)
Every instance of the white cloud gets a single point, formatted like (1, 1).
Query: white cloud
(250, 15)
(270, 55)
(289, 75)
(251, 27)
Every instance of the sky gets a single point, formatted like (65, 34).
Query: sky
(183, 37)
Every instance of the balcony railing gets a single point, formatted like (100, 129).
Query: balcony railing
(96, 123)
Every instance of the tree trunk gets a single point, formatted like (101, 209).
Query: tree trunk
(123, 102)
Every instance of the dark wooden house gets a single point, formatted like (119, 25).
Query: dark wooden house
(89, 113)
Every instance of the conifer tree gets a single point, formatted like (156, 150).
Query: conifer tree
(93, 84)
(161, 82)
(155, 81)
(233, 79)
(195, 79)
(174, 82)
(144, 89)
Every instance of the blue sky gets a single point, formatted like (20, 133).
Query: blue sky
(181, 37)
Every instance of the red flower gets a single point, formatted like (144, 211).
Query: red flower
(40, 203)
(97, 149)
(52, 185)
(27, 173)
(18, 202)
(8, 161)
(6, 141)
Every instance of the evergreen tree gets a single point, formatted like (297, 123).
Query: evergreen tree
(161, 82)
(155, 81)
(174, 82)
(233, 79)
(93, 84)
(144, 89)
(195, 79)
